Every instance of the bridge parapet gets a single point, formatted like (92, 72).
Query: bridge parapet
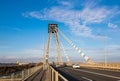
(108, 66)
(54, 75)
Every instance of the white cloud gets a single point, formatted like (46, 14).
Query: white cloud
(110, 25)
(96, 15)
(65, 3)
(14, 59)
(114, 46)
(77, 20)
(30, 55)
(24, 52)
(33, 51)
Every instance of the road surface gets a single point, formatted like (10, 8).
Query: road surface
(84, 74)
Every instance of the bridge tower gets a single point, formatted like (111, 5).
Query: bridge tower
(52, 30)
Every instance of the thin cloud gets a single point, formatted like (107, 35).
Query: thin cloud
(14, 59)
(24, 55)
(114, 46)
(96, 15)
(33, 51)
(25, 52)
(77, 20)
(110, 25)
(65, 3)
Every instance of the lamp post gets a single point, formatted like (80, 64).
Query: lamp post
(103, 37)
(105, 45)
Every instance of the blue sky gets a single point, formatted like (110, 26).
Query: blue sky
(94, 26)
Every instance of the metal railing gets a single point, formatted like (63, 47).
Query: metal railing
(108, 66)
(21, 75)
(54, 75)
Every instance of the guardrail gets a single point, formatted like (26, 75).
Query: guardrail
(54, 75)
(109, 66)
(21, 75)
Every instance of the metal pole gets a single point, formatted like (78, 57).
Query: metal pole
(28, 72)
(22, 75)
(12, 77)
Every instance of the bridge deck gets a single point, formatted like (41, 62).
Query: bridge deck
(84, 74)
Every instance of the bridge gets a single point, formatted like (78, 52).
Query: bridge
(63, 71)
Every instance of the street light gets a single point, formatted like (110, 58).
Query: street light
(104, 38)
(105, 45)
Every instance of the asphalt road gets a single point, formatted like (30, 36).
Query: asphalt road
(85, 74)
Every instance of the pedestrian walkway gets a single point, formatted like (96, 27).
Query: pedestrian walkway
(47, 76)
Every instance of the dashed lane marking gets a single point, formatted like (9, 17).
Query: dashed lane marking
(87, 78)
(98, 74)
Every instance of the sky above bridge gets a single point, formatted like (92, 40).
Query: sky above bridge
(93, 25)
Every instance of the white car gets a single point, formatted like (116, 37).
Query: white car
(76, 66)
(57, 65)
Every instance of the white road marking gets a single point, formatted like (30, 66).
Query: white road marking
(98, 74)
(87, 78)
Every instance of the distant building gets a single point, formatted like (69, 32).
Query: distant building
(21, 63)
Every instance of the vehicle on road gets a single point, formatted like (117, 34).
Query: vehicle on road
(75, 66)
(57, 65)
(60, 65)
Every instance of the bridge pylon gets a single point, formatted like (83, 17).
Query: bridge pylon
(52, 30)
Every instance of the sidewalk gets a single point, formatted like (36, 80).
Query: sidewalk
(47, 75)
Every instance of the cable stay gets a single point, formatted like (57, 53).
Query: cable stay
(87, 59)
(66, 55)
(53, 30)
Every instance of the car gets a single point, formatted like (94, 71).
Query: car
(60, 65)
(57, 65)
(76, 66)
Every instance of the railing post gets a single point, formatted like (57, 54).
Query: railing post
(25, 73)
(56, 76)
(52, 75)
(28, 72)
(12, 77)
(22, 75)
